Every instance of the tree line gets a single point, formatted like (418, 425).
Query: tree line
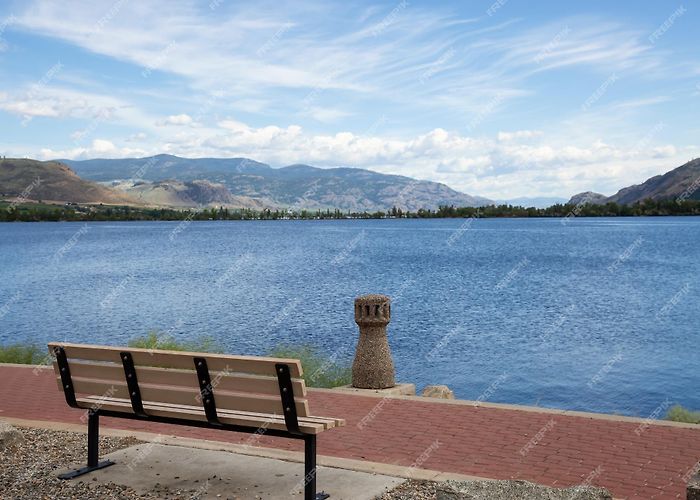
(29, 212)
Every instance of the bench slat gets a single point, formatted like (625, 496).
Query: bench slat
(186, 396)
(256, 365)
(183, 378)
(226, 417)
(327, 422)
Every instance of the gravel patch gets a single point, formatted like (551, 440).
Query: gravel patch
(491, 490)
(28, 469)
(412, 490)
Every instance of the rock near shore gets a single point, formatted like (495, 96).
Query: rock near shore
(438, 391)
(9, 436)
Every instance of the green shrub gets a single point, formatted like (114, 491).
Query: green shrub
(320, 370)
(26, 354)
(158, 340)
(679, 414)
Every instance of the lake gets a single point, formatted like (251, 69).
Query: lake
(593, 314)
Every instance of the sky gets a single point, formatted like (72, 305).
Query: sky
(503, 99)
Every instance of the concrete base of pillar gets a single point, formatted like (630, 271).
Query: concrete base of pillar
(397, 390)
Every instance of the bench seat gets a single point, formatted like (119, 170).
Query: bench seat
(307, 425)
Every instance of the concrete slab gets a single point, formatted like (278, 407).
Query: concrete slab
(214, 474)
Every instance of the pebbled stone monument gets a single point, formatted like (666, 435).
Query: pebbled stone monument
(373, 367)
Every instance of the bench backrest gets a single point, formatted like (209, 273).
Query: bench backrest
(239, 383)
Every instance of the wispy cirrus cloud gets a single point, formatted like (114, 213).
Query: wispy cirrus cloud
(638, 103)
(223, 51)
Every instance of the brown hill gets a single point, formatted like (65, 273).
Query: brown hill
(32, 180)
(681, 182)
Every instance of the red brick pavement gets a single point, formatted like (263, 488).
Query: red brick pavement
(564, 450)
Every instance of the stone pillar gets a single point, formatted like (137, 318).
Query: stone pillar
(373, 367)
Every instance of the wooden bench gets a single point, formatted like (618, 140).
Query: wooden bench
(236, 393)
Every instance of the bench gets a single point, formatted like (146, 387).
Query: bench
(249, 394)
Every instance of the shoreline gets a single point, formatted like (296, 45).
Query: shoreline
(24, 211)
(299, 219)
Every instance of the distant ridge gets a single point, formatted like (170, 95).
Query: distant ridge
(298, 186)
(588, 197)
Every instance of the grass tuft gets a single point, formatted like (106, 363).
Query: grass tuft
(158, 340)
(320, 370)
(679, 414)
(24, 354)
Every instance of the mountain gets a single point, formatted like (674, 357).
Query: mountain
(162, 167)
(670, 185)
(53, 181)
(537, 202)
(589, 197)
(177, 194)
(299, 186)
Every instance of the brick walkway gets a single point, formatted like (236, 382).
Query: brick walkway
(547, 448)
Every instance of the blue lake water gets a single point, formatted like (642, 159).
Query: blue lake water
(597, 314)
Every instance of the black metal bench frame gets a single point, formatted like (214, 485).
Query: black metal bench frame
(212, 422)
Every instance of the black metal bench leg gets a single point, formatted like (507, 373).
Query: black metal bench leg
(93, 462)
(310, 470)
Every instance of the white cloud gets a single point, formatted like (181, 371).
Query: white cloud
(103, 146)
(476, 165)
(233, 125)
(55, 107)
(178, 120)
(98, 148)
(57, 102)
(518, 134)
(666, 151)
(140, 136)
